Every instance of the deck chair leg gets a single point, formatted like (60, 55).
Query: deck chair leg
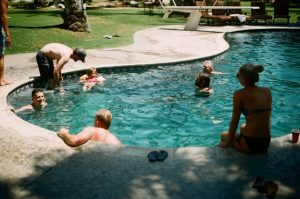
(166, 15)
(193, 21)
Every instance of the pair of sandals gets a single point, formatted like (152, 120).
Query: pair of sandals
(154, 156)
(266, 186)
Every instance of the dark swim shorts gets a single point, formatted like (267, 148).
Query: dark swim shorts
(46, 67)
(2, 41)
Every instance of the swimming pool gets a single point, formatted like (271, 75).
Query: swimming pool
(158, 107)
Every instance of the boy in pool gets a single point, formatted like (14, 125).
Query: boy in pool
(203, 85)
(91, 79)
(208, 68)
(38, 102)
(99, 132)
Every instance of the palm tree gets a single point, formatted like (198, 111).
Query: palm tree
(74, 16)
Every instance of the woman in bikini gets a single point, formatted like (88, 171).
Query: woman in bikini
(255, 103)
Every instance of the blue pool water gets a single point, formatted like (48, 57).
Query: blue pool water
(158, 107)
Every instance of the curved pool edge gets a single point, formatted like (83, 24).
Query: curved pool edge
(28, 151)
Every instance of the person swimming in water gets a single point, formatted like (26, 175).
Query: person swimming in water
(91, 79)
(208, 68)
(203, 85)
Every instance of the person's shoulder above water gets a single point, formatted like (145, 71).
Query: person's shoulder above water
(203, 85)
(38, 102)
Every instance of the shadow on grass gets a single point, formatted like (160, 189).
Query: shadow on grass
(104, 172)
(38, 27)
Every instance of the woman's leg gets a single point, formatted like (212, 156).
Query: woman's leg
(240, 143)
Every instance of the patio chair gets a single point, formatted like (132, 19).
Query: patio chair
(150, 4)
(259, 14)
(217, 14)
(281, 10)
(237, 14)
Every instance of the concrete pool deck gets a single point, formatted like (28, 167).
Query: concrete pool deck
(35, 163)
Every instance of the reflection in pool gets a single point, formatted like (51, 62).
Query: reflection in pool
(158, 106)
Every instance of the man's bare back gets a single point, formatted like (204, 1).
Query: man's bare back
(56, 51)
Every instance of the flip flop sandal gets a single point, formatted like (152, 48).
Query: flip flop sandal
(162, 155)
(152, 156)
(271, 189)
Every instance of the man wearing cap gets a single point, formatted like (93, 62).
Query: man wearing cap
(50, 75)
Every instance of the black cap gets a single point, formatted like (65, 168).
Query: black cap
(80, 52)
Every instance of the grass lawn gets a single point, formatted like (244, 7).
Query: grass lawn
(33, 28)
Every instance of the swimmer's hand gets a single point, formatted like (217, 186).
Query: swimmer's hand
(62, 132)
(224, 144)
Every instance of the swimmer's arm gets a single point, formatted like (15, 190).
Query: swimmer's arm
(100, 79)
(75, 140)
(218, 73)
(23, 108)
(236, 112)
(57, 70)
(83, 77)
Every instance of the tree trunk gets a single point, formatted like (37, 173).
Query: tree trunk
(74, 16)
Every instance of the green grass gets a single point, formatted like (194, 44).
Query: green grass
(33, 28)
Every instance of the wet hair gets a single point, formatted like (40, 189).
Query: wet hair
(105, 117)
(202, 81)
(36, 90)
(250, 72)
(208, 62)
(91, 70)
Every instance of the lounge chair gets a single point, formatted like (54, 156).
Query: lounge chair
(237, 14)
(281, 10)
(259, 14)
(150, 4)
(195, 13)
(215, 14)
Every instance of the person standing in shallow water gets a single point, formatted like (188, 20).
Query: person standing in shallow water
(51, 76)
(255, 103)
(5, 39)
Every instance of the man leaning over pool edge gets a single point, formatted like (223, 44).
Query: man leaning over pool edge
(51, 74)
(99, 132)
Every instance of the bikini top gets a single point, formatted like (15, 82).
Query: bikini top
(246, 112)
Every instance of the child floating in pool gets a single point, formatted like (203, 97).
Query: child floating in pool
(91, 79)
(203, 85)
(208, 68)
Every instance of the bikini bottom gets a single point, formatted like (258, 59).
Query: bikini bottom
(256, 145)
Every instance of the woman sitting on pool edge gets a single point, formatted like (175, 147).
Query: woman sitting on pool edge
(91, 79)
(203, 85)
(255, 103)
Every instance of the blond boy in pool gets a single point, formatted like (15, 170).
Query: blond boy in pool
(98, 133)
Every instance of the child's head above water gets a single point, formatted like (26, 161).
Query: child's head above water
(92, 72)
(208, 66)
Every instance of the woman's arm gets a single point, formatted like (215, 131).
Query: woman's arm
(236, 113)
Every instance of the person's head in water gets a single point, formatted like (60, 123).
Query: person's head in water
(38, 98)
(208, 67)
